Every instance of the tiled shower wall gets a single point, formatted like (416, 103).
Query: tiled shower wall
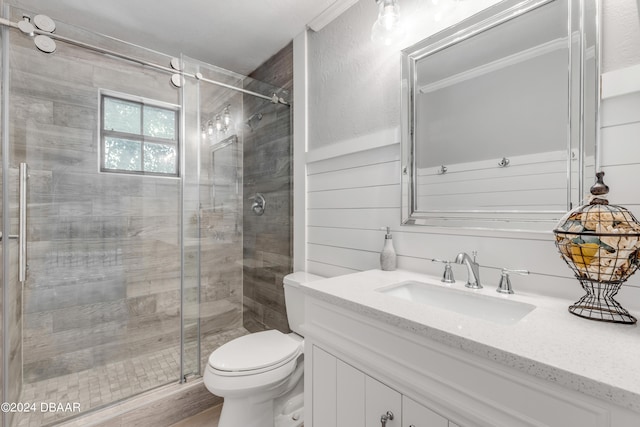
(267, 170)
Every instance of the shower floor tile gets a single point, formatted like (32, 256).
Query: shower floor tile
(96, 387)
(107, 384)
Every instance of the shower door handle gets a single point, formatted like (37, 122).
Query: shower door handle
(22, 233)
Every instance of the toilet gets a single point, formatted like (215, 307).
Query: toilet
(260, 375)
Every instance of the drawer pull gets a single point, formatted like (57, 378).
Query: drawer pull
(386, 417)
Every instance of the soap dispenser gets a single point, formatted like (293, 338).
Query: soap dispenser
(388, 254)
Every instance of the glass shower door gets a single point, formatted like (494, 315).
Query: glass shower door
(98, 318)
(212, 213)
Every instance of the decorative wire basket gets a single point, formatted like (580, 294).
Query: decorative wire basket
(601, 244)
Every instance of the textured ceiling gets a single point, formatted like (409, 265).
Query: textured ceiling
(238, 35)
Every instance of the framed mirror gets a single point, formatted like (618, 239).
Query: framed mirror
(223, 175)
(500, 117)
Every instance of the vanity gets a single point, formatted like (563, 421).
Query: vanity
(375, 351)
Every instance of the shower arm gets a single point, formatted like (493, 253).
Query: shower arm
(198, 76)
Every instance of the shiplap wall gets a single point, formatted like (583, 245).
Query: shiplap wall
(351, 196)
(532, 181)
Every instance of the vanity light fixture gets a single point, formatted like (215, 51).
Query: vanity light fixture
(220, 124)
(387, 29)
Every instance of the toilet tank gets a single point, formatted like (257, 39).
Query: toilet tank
(294, 297)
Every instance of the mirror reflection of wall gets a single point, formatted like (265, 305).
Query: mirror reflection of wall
(220, 214)
(223, 174)
(507, 102)
(496, 103)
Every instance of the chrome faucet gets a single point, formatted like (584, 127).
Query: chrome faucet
(473, 269)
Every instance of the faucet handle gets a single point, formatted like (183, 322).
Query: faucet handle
(504, 287)
(447, 276)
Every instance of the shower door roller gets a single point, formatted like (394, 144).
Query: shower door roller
(258, 205)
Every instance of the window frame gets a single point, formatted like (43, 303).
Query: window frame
(141, 137)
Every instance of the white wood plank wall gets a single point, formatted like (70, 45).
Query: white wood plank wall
(350, 197)
(534, 181)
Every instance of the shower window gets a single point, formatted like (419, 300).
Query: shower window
(138, 136)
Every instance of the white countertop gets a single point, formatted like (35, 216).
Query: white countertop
(596, 358)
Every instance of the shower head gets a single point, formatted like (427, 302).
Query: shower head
(253, 120)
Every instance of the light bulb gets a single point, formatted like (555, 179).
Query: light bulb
(389, 18)
(210, 128)
(226, 117)
(218, 123)
(387, 28)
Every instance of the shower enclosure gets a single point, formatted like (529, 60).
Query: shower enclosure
(122, 217)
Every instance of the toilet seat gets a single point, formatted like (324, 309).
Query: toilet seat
(255, 353)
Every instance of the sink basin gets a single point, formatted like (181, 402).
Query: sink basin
(498, 310)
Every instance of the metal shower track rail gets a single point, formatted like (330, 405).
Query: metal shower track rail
(176, 73)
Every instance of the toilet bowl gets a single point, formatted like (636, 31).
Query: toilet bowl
(260, 375)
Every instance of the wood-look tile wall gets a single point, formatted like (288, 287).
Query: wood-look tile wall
(267, 170)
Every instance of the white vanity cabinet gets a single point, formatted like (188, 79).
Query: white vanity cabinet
(358, 367)
(344, 396)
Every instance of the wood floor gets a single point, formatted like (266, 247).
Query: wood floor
(208, 418)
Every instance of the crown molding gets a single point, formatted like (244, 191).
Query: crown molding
(330, 13)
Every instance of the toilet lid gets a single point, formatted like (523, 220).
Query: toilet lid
(255, 351)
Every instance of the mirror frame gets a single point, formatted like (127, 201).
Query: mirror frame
(578, 125)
